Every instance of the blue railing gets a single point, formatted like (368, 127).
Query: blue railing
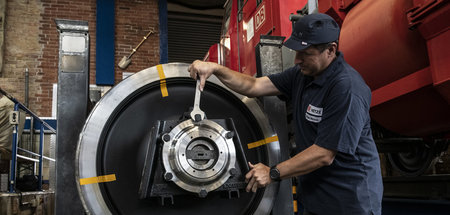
(14, 148)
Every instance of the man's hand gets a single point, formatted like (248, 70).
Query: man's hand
(257, 177)
(201, 69)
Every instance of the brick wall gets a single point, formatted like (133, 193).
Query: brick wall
(133, 21)
(32, 41)
(22, 49)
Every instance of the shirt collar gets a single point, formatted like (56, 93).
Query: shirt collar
(320, 80)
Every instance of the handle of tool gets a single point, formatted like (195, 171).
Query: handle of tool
(139, 45)
(197, 95)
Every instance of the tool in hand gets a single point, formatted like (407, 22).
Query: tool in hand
(197, 114)
(126, 60)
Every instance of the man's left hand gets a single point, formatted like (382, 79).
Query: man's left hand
(257, 177)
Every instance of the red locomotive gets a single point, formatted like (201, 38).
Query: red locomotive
(399, 47)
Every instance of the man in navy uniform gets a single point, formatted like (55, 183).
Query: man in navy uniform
(337, 161)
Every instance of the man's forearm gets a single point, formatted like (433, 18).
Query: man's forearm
(238, 82)
(306, 161)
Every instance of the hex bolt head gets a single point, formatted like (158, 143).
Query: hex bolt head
(198, 117)
(233, 171)
(202, 193)
(229, 135)
(168, 176)
(166, 137)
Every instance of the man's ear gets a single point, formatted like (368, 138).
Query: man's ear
(332, 49)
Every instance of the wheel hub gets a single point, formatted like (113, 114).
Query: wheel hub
(198, 156)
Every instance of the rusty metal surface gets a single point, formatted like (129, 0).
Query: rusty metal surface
(27, 203)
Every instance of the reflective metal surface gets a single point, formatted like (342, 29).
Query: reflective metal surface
(197, 114)
(72, 109)
(198, 155)
(271, 59)
(93, 146)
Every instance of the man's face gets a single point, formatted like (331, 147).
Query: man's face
(311, 61)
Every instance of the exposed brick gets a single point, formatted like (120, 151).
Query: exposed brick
(32, 41)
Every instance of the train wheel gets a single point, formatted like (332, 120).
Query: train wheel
(137, 114)
(416, 161)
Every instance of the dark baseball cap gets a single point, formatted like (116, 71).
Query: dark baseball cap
(313, 29)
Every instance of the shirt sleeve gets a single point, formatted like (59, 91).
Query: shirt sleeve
(284, 81)
(344, 116)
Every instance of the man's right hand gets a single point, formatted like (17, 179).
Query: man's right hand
(201, 69)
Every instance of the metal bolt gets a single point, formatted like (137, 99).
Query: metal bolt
(229, 135)
(168, 176)
(233, 171)
(202, 193)
(166, 137)
(198, 117)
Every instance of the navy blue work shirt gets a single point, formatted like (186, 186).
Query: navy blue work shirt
(332, 111)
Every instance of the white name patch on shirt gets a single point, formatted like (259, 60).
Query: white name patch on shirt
(314, 114)
(316, 111)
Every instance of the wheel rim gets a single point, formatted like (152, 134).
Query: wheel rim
(112, 145)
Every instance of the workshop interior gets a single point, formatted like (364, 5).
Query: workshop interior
(99, 114)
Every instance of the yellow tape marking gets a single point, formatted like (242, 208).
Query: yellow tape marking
(294, 189)
(262, 142)
(98, 179)
(162, 80)
(295, 206)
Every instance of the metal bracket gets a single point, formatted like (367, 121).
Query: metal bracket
(14, 117)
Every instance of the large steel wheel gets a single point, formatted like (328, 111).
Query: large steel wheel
(416, 161)
(116, 134)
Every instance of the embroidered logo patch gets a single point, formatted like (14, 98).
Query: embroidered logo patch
(314, 114)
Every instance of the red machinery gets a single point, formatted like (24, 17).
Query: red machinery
(244, 22)
(399, 47)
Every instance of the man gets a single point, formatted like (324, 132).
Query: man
(337, 161)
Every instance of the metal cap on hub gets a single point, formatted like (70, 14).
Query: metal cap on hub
(198, 156)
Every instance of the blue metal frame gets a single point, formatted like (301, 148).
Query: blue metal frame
(37, 125)
(41, 150)
(12, 177)
(163, 39)
(104, 74)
